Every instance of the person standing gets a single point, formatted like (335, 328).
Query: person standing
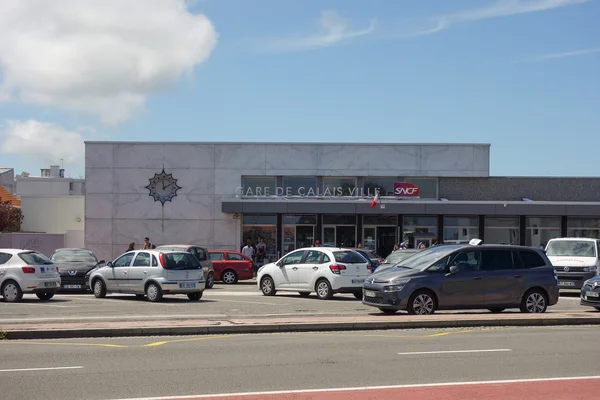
(147, 244)
(248, 250)
(131, 247)
(261, 251)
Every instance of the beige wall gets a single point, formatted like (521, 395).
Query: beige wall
(53, 214)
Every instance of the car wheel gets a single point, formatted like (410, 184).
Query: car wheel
(388, 311)
(45, 296)
(99, 289)
(358, 295)
(323, 289)
(304, 294)
(534, 302)
(229, 277)
(210, 280)
(11, 292)
(195, 296)
(496, 310)
(267, 286)
(422, 302)
(154, 292)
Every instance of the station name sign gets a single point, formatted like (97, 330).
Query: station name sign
(401, 189)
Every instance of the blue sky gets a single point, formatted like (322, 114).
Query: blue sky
(520, 75)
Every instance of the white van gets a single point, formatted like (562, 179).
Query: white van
(575, 260)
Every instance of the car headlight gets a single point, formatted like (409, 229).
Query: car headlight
(393, 288)
(590, 269)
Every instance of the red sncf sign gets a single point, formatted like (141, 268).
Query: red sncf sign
(404, 189)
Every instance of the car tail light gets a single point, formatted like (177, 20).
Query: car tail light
(335, 268)
(28, 270)
(250, 266)
(163, 260)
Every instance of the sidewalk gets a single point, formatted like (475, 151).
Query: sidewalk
(195, 326)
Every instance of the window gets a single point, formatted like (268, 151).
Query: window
(313, 257)
(299, 219)
(541, 229)
(496, 260)
(236, 257)
(4, 258)
(528, 259)
(339, 187)
(440, 265)
(62, 256)
(259, 186)
(502, 230)
(571, 248)
(154, 261)
(199, 253)
(339, 219)
(124, 260)
(142, 260)
(468, 261)
(385, 185)
(256, 226)
(299, 186)
(386, 220)
(349, 257)
(460, 229)
(181, 261)
(35, 258)
(326, 258)
(217, 256)
(420, 229)
(293, 258)
(260, 220)
(428, 187)
(583, 227)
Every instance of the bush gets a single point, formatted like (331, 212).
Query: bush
(10, 217)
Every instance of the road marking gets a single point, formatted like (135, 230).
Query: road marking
(38, 369)
(450, 333)
(7, 342)
(455, 351)
(187, 340)
(364, 388)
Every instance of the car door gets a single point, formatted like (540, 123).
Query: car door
(286, 273)
(309, 268)
(201, 255)
(237, 262)
(218, 261)
(465, 287)
(499, 276)
(139, 272)
(118, 274)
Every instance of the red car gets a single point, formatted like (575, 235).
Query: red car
(231, 266)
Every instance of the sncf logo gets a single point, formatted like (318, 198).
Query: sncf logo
(405, 189)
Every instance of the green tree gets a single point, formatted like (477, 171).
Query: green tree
(10, 217)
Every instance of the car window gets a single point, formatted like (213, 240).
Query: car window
(528, 259)
(142, 260)
(496, 260)
(75, 256)
(4, 258)
(571, 248)
(237, 257)
(397, 256)
(216, 256)
(326, 258)
(200, 253)
(468, 260)
(180, 261)
(124, 260)
(154, 261)
(313, 257)
(440, 265)
(349, 257)
(35, 258)
(293, 258)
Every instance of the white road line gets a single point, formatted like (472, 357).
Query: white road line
(455, 351)
(346, 389)
(38, 369)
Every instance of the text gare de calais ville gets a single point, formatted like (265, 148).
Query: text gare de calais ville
(401, 189)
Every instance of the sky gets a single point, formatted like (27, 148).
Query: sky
(521, 75)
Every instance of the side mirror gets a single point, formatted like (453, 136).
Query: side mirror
(279, 264)
(109, 264)
(453, 270)
(101, 262)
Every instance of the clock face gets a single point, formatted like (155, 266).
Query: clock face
(163, 187)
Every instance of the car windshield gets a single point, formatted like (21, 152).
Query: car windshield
(349, 257)
(427, 257)
(571, 248)
(398, 256)
(35, 258)
(181, 261)
(74, 256)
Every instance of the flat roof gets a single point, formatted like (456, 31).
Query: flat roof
(292, 143)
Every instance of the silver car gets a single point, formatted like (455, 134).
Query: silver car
(150, 273)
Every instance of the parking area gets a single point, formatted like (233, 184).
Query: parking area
(220, 302)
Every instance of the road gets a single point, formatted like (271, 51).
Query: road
(123, 368)
(221, 302)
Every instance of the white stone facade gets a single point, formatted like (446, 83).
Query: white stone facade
(119, 210)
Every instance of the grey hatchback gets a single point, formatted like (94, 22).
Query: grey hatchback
(493, 277)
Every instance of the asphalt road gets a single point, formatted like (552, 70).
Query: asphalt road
(177, 366)
(223, 301)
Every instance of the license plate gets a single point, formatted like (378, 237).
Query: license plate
(358, 281)
(72, 286)
(566, 283)
(190, 285)
(50, 284)
(370, 293)
(592, 294)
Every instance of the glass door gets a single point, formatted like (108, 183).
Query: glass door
(329, 236)
(289, 239)
(305, 235)
(369, 238)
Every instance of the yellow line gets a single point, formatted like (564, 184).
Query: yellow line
(449, 333)
(63, 344)
(188, 340)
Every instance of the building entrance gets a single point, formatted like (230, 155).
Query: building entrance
(339, 236)
(380, 239)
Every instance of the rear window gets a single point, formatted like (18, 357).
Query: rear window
(35, 258)
(181, 261)
(571, 248)
(348, 257)
(529, 259)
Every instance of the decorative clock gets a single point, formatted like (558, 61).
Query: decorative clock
(163, 187)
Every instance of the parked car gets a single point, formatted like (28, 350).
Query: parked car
(371, 256)
(396, 257)
(201, 254)
(150, 273)
(75, 266)
(27, 271)
(231, 266)
(575, 260)
(493, 277)
(324, 270)
(590, 293)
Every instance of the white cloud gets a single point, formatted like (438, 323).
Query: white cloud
(499, 9)
(334, 30)
(553, 56)
(102, 57)
(43, 142)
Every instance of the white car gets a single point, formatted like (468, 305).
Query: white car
(323, 270)
(27, 271)
(151, 273)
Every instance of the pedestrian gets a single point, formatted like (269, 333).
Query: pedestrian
(396, 247)
(147, 244)
(317, 243)
(248, 250)
(131, 247)
(261, 252)
(360, 246)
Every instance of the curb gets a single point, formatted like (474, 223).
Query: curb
(292, 327)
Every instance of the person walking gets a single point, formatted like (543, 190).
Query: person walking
(131, 247)
(261, 250)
